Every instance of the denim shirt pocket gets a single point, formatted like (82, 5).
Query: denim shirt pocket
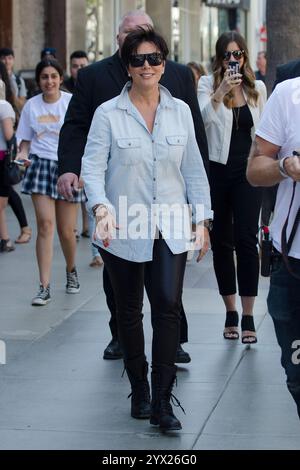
(129, 150)
(176, 146)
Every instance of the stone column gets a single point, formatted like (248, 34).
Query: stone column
(127, 5)
(28, 32)
(109, 27)
(190, 44)
(160, 12)
(76, 26)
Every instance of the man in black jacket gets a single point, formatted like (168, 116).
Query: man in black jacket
(96, 84)
(287, 71)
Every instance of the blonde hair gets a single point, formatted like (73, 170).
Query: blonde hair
(248, 74)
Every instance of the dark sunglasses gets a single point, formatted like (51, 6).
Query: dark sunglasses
(236, 54)
(138, 60)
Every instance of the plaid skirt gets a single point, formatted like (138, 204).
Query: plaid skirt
(41, 178)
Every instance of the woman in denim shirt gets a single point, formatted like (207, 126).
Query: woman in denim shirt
(140, 161)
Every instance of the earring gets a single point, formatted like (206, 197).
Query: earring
(129, 75)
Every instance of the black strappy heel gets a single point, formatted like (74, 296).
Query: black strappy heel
(247, 324)
(232, 320)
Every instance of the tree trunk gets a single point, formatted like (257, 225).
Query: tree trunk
(283, 20)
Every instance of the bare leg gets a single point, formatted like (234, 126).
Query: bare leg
(3, 225)
(44, 208)
(66, 214)
(85, 218)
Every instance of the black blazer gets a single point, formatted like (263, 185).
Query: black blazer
(287, 71)
(103, 81)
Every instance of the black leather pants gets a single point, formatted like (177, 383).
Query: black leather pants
(164, 275)
(110, 300)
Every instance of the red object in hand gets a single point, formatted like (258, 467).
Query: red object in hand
(266, 232)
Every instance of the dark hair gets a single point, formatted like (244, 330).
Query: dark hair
(138, 36)
(5, 78)
(48, 51)
(78, 55)
(5, 51)
(47, 63)
(246, 70)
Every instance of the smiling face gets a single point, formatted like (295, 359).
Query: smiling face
(49, 82)
(146, 76)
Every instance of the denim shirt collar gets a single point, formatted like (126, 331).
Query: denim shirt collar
(124, 102)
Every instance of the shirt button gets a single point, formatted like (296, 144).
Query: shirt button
(154, 199)
(154, 179)
(129, 144)
(155, 159)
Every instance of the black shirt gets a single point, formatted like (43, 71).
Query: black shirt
(241, 139)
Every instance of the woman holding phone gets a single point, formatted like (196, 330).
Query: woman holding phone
(231, 102)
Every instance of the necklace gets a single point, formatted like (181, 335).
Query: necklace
(236, 113)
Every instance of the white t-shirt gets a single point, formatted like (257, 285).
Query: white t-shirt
(40, 123)
(6, 111)
(280, 125)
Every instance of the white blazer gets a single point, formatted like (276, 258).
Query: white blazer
(218, 123)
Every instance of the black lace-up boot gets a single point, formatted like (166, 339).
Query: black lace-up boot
(137, 371)
(162, 381)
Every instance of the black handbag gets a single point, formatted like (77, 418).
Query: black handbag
(14, 173)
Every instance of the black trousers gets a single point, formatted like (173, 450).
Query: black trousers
(110, 300)
(236, 205)
(16, 204)
(165, 275)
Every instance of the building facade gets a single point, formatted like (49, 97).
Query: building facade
(191, 27)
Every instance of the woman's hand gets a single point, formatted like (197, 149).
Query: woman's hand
(23, 157)
(105, 225)
(230, 81)
(202, 241)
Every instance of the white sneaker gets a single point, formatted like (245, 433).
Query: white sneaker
(73, 286)
(42, 297)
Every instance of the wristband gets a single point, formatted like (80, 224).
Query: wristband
(282, 170)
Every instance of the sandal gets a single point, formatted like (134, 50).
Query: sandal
(96, 262)
(85, 234)
(232, 321)
(25, 235)
(6, 246)
(77, 236)
(248, 330)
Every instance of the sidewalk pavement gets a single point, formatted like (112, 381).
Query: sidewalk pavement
(56, 391)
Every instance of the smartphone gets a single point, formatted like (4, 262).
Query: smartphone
(234, 67)
(21, 162)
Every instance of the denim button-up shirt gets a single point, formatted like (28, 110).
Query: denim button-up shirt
(146, 178)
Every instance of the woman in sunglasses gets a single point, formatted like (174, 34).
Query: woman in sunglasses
(231, 102)
(140, 161)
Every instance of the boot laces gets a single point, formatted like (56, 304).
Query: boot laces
(141, 390)
(168, 397)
